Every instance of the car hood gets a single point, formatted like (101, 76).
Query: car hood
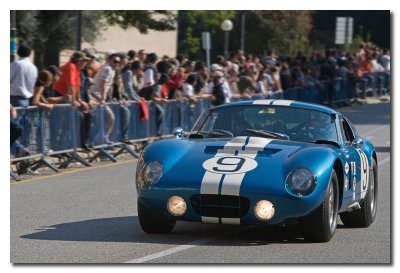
(254, 163)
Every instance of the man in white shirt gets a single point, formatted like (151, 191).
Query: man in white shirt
(150, 70)
(225, 85)
(102, 85)
(385, 60)
(23, 75)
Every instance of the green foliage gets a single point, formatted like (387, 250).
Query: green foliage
(193, 22)
(50, 31)
(283, 31)
(142, 19)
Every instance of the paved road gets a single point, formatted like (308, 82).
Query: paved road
(90, 217)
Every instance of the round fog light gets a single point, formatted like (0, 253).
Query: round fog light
(176, 205)
(264, 210)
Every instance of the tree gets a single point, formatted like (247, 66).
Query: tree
(191, 23)
(161, 20)
(49, 32)
(284, 31)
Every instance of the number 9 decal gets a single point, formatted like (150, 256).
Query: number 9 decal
(230, 164)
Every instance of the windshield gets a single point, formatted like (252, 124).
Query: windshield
(266, 121)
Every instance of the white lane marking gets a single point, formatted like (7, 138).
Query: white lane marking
(168, 252)
(182, 247)
(369, 133)
(387, 159)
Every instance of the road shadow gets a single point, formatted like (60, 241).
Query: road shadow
(379, 114)
(127, 229)
(384, 149)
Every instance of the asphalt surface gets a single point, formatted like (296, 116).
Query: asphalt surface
(90, 216)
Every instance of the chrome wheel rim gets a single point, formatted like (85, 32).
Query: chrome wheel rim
(372, 191)
(331, 206)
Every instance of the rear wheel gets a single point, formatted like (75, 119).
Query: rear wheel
(365, 216)
(152, 221)
(320, 225)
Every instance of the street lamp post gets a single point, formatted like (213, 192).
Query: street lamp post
(78, 30)
(226, 26)
(13, 35)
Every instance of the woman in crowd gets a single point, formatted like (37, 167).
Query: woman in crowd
(40, 97)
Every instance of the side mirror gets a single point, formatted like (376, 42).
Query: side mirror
(358, 143)
(178, 132)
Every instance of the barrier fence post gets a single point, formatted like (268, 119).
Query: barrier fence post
(42, 161)
(101, 149)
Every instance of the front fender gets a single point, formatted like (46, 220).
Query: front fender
(320, 160)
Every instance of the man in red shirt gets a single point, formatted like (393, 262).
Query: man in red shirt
(70, 80)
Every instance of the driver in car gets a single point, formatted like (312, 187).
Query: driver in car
(322, 127)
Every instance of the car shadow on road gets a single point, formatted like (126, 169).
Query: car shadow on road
(127, 229)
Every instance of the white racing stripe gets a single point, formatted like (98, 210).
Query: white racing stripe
(283, 102)
(263, 102)
(210, 183)
(230, 183)
(230, 221)
(210, 220)
(211, 180)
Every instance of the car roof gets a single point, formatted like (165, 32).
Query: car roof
(285, 103)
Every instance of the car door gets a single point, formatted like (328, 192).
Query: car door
(359, 166)
(349, 159)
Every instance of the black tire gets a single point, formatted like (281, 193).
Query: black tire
(152, 221)
(320, 225)
(365, 216)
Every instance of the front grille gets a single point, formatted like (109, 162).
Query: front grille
(225, 206)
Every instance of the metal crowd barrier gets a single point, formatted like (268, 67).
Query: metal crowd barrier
(57, 133)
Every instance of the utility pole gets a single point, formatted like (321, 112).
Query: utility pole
(242, 28)
(78, 30)
(13, 35)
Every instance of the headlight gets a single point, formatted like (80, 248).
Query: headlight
(153, 172)
(301, 182)
(264, 210)
(176, 205)
(148, 174)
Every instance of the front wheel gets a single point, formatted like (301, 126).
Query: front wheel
(320, 225)
(366, 215)
(152, 221)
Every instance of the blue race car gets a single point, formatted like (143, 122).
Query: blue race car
(261, 162)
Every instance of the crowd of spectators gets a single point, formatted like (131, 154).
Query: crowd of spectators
(90, 79)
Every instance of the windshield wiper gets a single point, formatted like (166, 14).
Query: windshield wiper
(268, 134)
(216, 132)
(322, 141)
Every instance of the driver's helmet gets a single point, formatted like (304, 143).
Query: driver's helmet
(321, 125)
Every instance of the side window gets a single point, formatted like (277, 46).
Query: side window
(352, 127)
(347, 131)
